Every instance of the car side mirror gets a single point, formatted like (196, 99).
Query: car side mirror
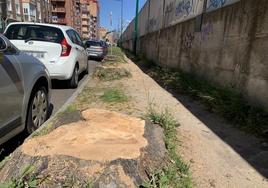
(3, 45)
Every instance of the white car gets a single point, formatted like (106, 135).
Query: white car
(58, 47)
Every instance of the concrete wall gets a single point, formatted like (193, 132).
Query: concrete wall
(177, 11)
(216, 4)
(230, 49)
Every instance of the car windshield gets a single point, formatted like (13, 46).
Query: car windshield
(34, 32)
(93, 43)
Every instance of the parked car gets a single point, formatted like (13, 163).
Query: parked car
(59, 48)
(24, 91)
(96, 49)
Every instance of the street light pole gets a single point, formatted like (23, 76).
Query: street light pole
(122, 18)
(136, 27)
(121, 29)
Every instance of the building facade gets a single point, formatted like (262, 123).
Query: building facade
(82, 15)
(90, 19)
(24, 10)
(85, 18)
(94, 10)
(107, 36)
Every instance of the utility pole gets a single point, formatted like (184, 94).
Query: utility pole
(122, 18)
(121, 29)
(136, 27)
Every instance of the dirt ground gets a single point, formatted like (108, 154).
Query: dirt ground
(220, 155)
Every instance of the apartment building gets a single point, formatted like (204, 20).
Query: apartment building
(82, 15)
(104, 35)
(58, 11)
(67, 12)
(25, 10)
(85, 18)
(94, 10)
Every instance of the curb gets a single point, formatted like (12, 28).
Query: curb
(66, 104)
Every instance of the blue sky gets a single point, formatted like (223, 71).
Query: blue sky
(114, 6)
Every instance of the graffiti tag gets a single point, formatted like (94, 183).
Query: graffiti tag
(187, 42)
(152, 22)
(216, 3)
(206, 30)
(170, 7)
(184, 8)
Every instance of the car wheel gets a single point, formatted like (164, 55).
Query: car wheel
(38, 109)
(75, 78)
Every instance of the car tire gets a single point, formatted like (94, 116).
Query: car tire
(38, 109)
(73, 82)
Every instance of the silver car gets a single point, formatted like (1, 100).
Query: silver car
(24, 91)
(96, 49)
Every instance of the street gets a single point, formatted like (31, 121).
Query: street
(60, 91)
(59, 96)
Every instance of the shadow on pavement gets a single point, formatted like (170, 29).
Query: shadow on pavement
(63, 84)
(253, 150)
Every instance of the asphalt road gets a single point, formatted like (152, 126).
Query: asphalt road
(59, 95)
(60, 91)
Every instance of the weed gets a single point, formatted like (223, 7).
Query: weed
(176, 174)
(3, 162)
(115, 56)
(24, 180)
(221, 100)
(114, 96)
(89, 184)
(70, 108)
(43, 131)
(111, 73)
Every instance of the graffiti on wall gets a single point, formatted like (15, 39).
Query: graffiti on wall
(216, 4)
(206, 30)
(184, 8)
(170, 7)
(152, 22)
(177, 11)
(187, 42)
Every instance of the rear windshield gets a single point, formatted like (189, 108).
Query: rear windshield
(34, 32)
(93, 43)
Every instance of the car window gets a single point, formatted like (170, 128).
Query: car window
(78, 38)
(71, 35)
(92, 43)
(34, 32)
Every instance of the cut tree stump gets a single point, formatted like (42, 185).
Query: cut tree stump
(103, 149)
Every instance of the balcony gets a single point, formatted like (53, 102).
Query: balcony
(61, 21)
(59, 10)
(84, 29)
(85, 24)
(84, 16)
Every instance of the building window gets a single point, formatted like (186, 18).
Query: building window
(25, 10)
(9, 6)
(18, 8)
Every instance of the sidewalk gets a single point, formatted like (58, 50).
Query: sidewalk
(101, 140)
